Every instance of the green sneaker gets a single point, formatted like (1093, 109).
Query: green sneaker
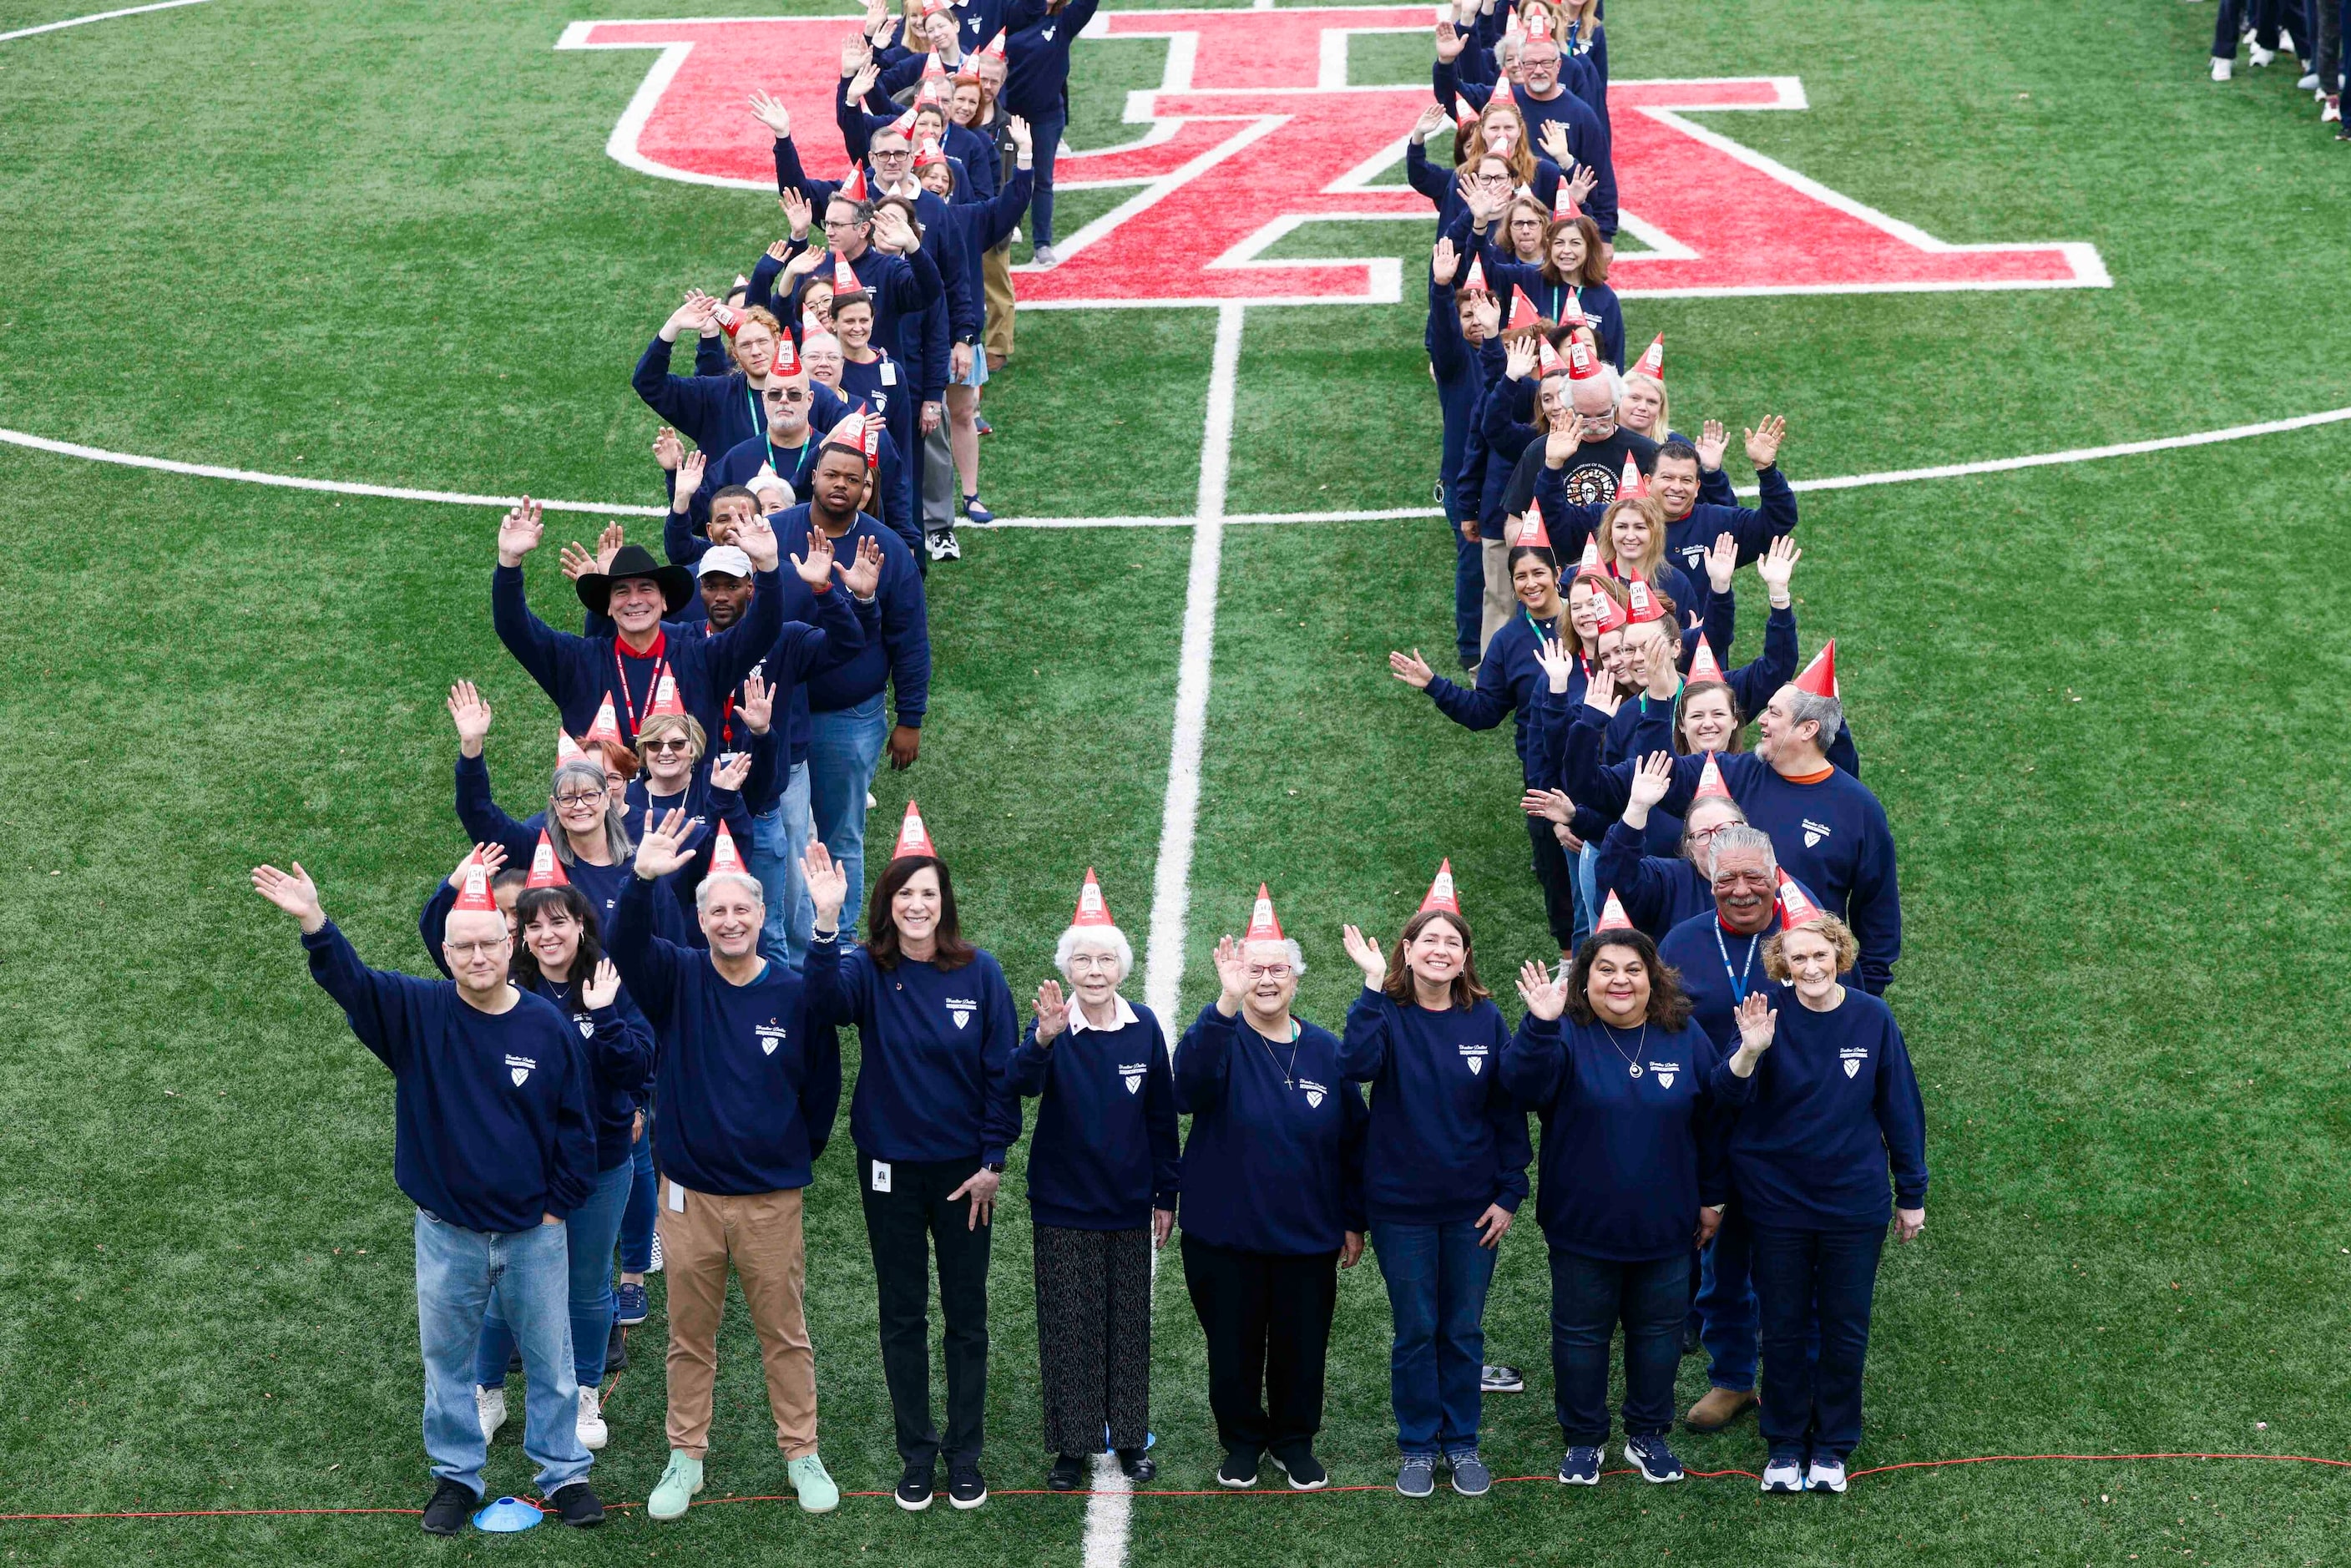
(818, 1493)
(678, 1485)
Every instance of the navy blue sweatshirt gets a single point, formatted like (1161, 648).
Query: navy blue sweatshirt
(1275, 1162)
(1588, 479)
(1104, 1153)
(619, 1052)
(1587, 133)
(1626, 1161)
(578, 673)
(903, 287)
(1037, 62)
(1830, 835)
(712, 412)
(1597, 301)
(486, 822)
(1508, 680)
(492, 1127)
(1719, 969)
(901, 656)
(1690, 536)
(1460, 382)
(935, 1048)
(1658, 892)
(1832, 1108)
(747, 1082)
(1446, 1140)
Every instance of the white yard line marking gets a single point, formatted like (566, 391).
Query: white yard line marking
(97, 16)
(1226, 313)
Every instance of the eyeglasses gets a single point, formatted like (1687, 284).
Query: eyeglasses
(1708, 833)
(1269, 971)
(595, 800)
(785, 394)
(831, 223)
(670, 743)
(474, 949)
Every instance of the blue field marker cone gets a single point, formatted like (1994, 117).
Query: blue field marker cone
(1150, 1440)
(506, 1515)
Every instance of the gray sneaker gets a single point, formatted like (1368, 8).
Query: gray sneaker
(1470, 1476)
(1416, 1477)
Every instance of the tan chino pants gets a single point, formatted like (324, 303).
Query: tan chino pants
(760, 1234)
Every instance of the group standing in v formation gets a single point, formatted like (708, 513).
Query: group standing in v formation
(635, 1045)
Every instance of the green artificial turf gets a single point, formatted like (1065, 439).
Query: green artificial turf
(385, 244)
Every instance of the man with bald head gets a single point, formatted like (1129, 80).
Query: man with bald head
(494, 1143)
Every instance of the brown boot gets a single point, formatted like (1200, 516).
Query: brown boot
(1718, 1409)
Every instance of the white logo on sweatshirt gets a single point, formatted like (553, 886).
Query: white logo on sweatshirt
(1473, 1056)
(519, 1068)
(960, 1009)
(587, 1026)
(1314, 1092)
(1814, 833)
(771, 1035)
(1132, 1072)
(1665, 1071)
(1855, 1056)
(1047, 34)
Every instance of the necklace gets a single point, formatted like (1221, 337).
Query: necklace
(1634, 1061)
(1290, 1073)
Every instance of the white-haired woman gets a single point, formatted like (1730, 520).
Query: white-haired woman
(1101, 1193)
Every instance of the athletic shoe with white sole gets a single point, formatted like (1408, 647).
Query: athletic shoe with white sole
(1305, 1471)
(631, 1305)
(1826, 1475)
(593, 1433)
(1580, 1467)
(814, 1484)
(1043, 256)
(967, 1487)
(1654, 1459)
(1416, 1477)
(2223, 69)
(1500, 1379)
(1238, 1471)
(2330, 110)
(915, 1488)
(1783, 1473)
(490, 1406)
(2309, 82)
(1470, 1476)
(654, 1266)
(2261, 56)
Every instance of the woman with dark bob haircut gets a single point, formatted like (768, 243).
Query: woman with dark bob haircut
(932, 1117)
(1632, 1175)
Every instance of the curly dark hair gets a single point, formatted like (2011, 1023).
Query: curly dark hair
(572, 901)
(1669, 1006)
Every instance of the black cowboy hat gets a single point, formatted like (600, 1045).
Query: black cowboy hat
(676, 583)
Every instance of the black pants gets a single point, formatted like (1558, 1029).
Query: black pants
(1267, 1318)
(2265, 16)
(1555, 872)
(902, 1227)
(1093, 1336)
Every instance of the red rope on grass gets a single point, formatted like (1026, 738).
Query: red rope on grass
(1220, 1491)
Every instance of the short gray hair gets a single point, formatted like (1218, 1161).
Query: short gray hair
(1110, 937)
(1827, 712)
(741, 879)
(1289, 944)
(1744, 837)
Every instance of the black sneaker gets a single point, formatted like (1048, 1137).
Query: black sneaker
(967, 1487)
(913, 1492)
(1138, 1465)
(616, 1351)
(577, 1505)
(451, 1510)
(1239, 1469)
(1305, 1471)
(1500, 1379)
(1067, 1472)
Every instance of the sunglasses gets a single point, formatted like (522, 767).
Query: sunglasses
(670, 743)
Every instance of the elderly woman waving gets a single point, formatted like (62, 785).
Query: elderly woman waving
(1272, 1201)
(1102, 1191)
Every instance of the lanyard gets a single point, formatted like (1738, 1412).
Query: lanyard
(1739, 980)
(726, 707)
(758, 419)
(621, 673)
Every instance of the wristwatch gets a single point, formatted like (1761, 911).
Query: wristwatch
(995, 1165)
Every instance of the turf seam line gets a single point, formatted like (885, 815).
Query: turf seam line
(615, 509)
(1220, 1491)
(96, 16)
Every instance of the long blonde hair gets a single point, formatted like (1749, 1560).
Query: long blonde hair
(1645, 569)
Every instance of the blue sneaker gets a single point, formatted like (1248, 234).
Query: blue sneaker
(1581, 1467)
(1655, 1460)
(629, 1305)
(976, 512)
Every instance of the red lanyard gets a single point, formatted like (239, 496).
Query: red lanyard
(660, 644)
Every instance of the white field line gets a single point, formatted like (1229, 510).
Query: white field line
(97, 16)
(1226, 313)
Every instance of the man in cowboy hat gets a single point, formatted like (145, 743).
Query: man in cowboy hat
(637, 592)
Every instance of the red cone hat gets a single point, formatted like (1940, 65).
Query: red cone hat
(545, 871)
(473, 891)
(1818, 677)
(1440, 893)
(1263, 926)
(1092, 910)
(1613, 916)
(913, 839)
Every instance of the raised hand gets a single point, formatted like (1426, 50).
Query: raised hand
(1551, 805)
(1713, 441)
(1449, 44)
(862, 82)
(492, 856)
(1580, 183)
(1411, 669)
(690, 470)
(828, 884)
(1432, 120)
(797, 212)
(771, 113)
(1365, 953)
(1600, 693)
(520, 532)
(608, 545)
(1557, 667)
(730, 770)
(667, 448)
(1552, 140)
(1444, 263)
(1561, 442)
(759, 704)
(1519, 359)
(701, 309)
(1721, 560)
(815, 568)
(1763, 442)
(1776, 566)
(756, 540)
(1232, 976)
(1053, 1012)
(658, 853)
(1544, 993)
(292, 892)
(1024, 139)
(602, 986)
(864, 576)
(891, 231)
(803, 264)
(472, 717)
(1652, 781)
(1490, 314)
(576, 561)
(1758, 1023)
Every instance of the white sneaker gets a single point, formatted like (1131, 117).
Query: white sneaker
(1826, 1475)
(2223, 69)
(2261, 56)
(490, 1406)
(654, 1266)
(2309, 82)
(593, 1433)
(1042, 256)
(869, 799)
(1783, 1475)
(2330, 111)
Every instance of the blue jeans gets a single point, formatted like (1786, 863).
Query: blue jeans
(1589, 1296)
(592, 1227)
(1726, 1305)
(637, 1218)
(1437, 1276)
(844, 748)
(1046, 134)
(1468, 594)
(778, 841)
(458, 1274)
(1814, 1281)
